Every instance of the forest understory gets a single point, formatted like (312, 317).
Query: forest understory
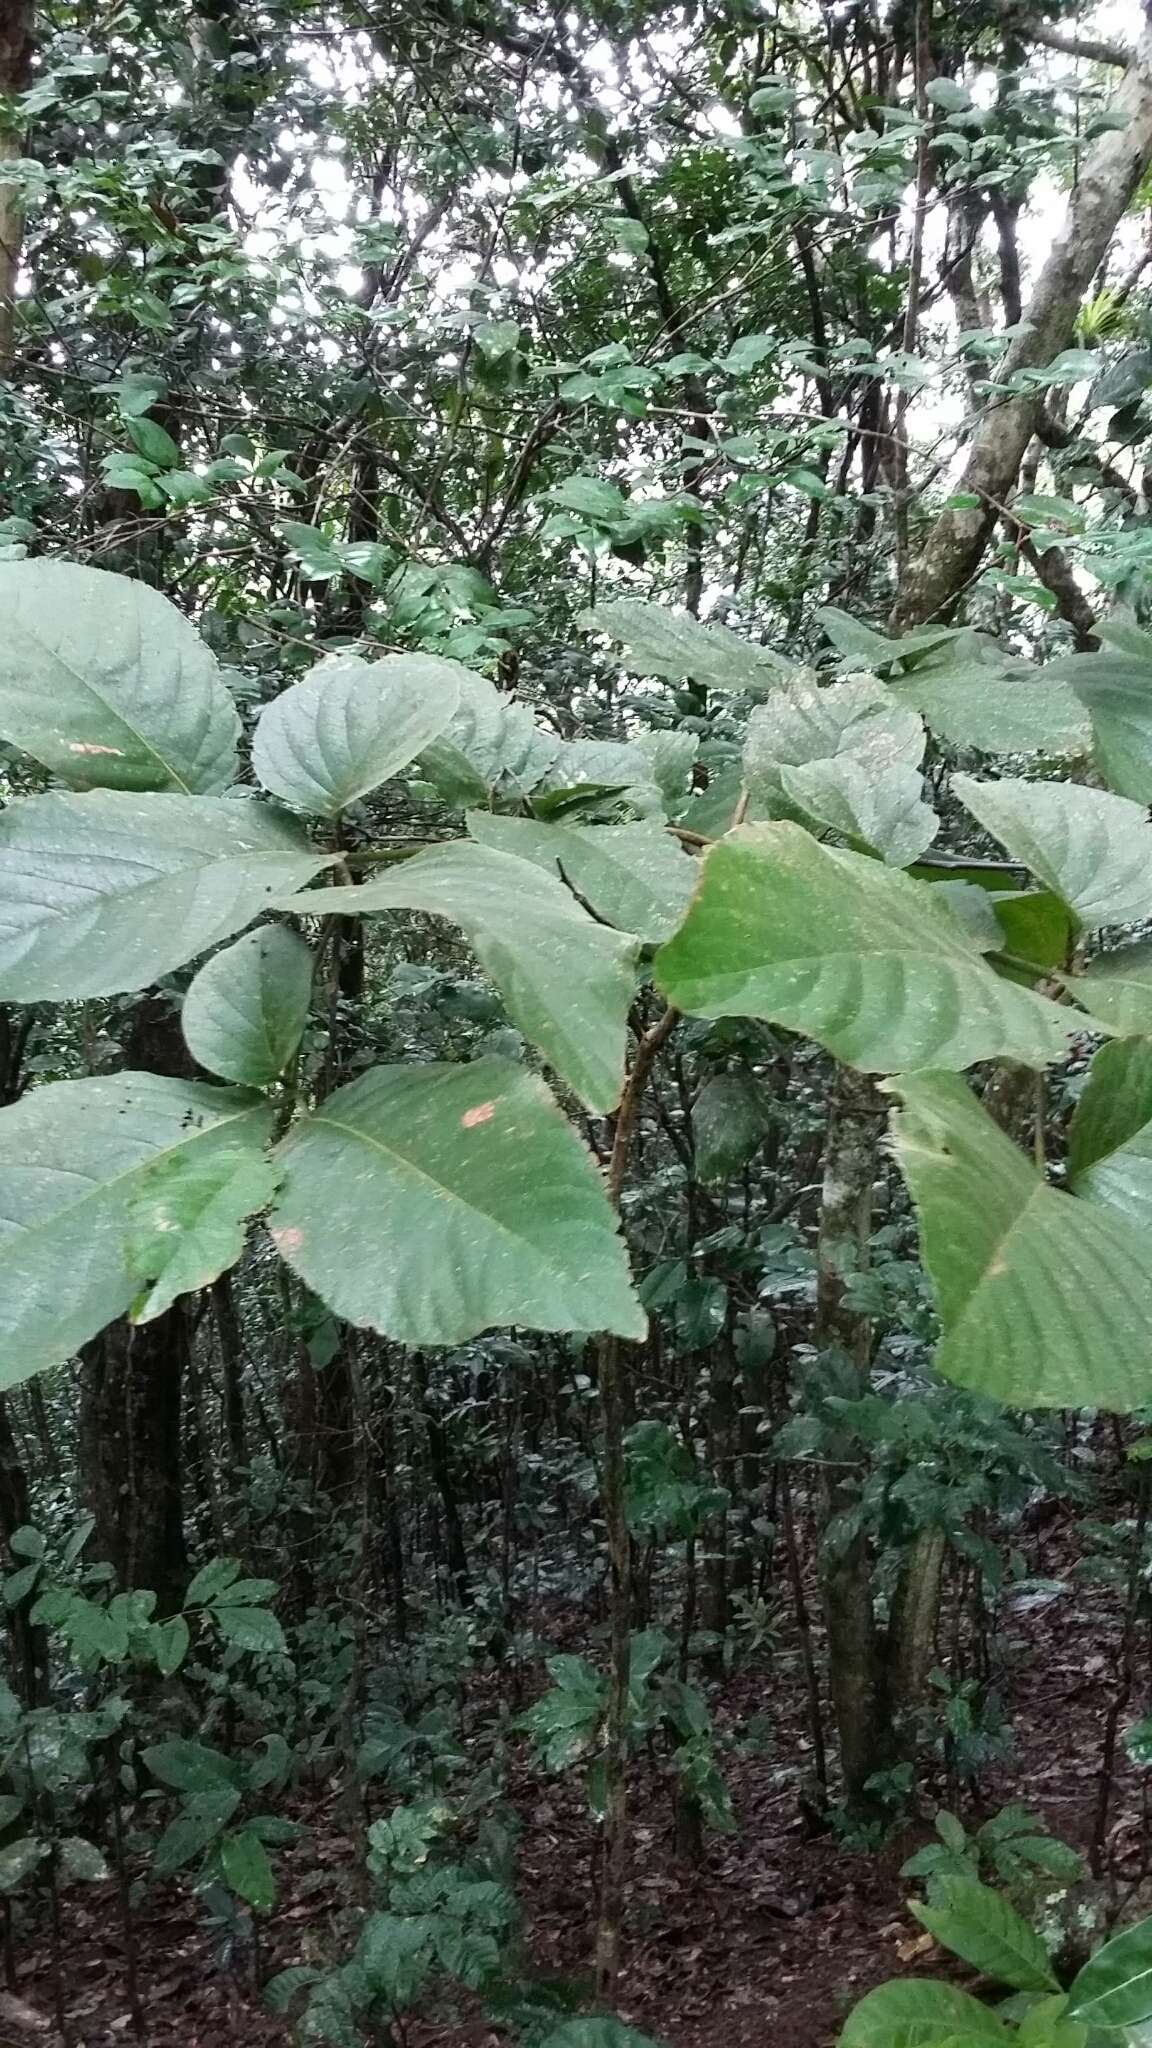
(783, 1927)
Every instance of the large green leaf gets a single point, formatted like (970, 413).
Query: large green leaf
(567, 981)
(73, 1158)
(483, 1208)
(635, 876)
(983, 1927)
(914, 2012)
(661, 642)
(1091, 849)
(1114, 1989)
(1110, 1139)
(103, 893)
(809, 723)
(875, 807)
(109, 685)
(1117, 987)
(245, 1012)
(490, 742)
(872, 965)
(1000, 707)
(188, 1219)
(1045, 1300)
(1116, 689)
(350, 725)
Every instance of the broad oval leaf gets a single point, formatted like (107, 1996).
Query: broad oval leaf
(245, 1011)
(635, 876)
(1000, 707)
(660, 642)
(1114, 1989)
(102, 893)
(244, 1862)
(72, 1158)
(486, 1209)
(1045, 1300)
(490, 742)
(108, 685)
(188, 1219)
(1116, 689)
(914, 2012)
(983, 1927)
(875, 807)
(567, 981)
(1117, 988)
(1110, 1137)
(872, 965)
(350, 725)
(1093, 850)
(809, 722)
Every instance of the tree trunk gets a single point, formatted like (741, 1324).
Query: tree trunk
(16, 21)
(854, 1647)
(1111, 172)
(131, 1452)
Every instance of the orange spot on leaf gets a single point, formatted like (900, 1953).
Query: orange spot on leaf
(288, 1240)
(482, 1114)
(90, 747)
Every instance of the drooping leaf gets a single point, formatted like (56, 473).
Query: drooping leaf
(914, 2012)
(538, 945)
(244, 1862)
(660, 642)
(19, 1859)
(72, 1157)
(875, 807)
(870, 964)
(195, 1828)
(100, 894)
(729, 1124)
(1044, 1299)
(245, 1011)
(108, 685)
(1117, 987)
(187, 1220)
(1115, 688)
(984, 1928)
(169, 1641)
(350, 725)
(1091, 849)
(1110, 1137)
(1114, 1989)
(1000, 707)
(635, 876)
(486, 1209)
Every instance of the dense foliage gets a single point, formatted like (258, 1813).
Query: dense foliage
(575, 989)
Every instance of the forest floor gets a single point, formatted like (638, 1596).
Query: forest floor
(778, 1933)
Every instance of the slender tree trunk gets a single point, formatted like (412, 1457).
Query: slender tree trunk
(1110, 174)
(854, 1648)
(16, 25)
